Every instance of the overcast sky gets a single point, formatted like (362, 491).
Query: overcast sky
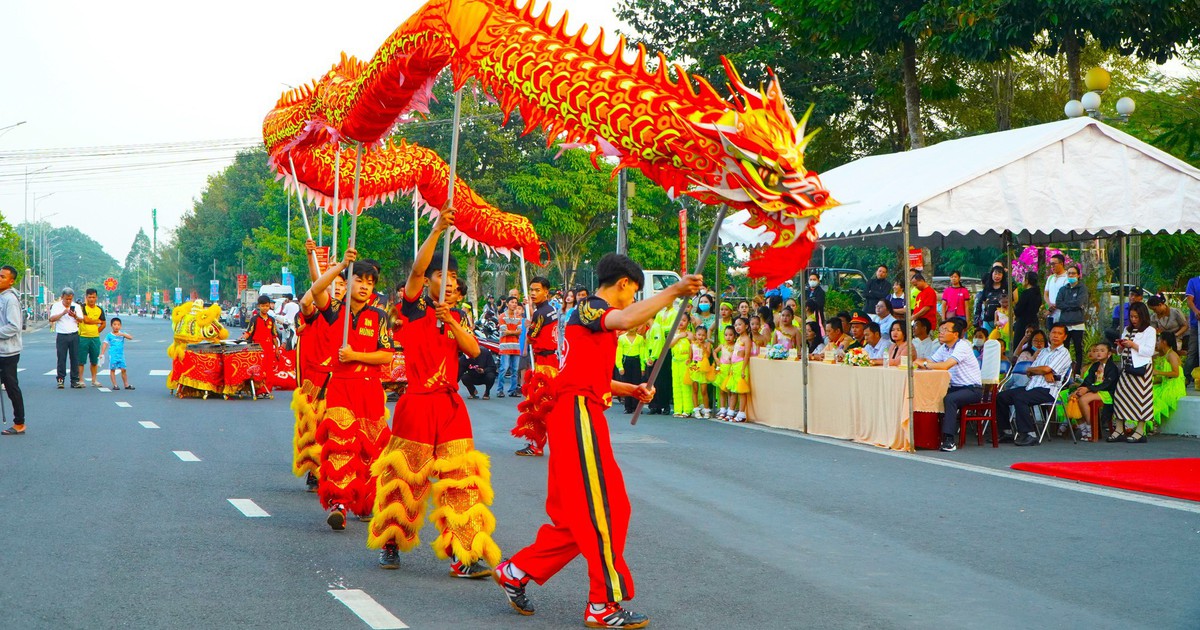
(104, 74)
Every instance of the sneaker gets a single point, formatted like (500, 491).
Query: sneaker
(499, 395)
(78, 386)
(366, 518)
(60, 383)
(472, 571)
(948, 446)
(697, 413)
(337, 518)
(514, 588)
(613, 616)
(310, 482)
(707, 414)
(389, 556)
(530, 451)
(1026, 439)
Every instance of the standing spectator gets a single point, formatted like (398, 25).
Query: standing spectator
(658, 349)
(1072, 298)
(925, 306)
(1193, 353)
(706, 314)
(114, 345)
(966, 381)
(11, 321)
(896, 300)
(631, 361)
(989, 299)
(512, 320)
(66, 315)
(285, 317)
(1028, 303)
(1133, 403)
(814, 294)
(1054, 282)
(1052, 365)
(956, 299)
(1166, 319)
(1120, 314)
(90, 327)
(261, 330)
(878, 287)
(743, 309)
(478, 371)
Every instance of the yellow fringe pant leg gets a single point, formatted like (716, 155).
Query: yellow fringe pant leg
(461, 497)
(306, 453)
(401, 491)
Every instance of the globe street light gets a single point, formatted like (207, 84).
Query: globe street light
(1097, 80)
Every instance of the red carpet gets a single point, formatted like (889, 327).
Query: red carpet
(1179, 478)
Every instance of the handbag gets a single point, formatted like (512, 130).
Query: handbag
(1135, 371)
(1073, 410)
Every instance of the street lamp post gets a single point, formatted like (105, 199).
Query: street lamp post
(1097, 81)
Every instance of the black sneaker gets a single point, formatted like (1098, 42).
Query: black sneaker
(514, 588)
(337, 518)
(60, 383)
(949, 446)
(78, 386)
(613, 616)
(472, 571)
(530, 451)
(1007, 437)
(310, 482)
(389, 556)
(1026, 439)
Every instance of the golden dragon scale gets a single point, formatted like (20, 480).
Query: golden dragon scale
(744, 150)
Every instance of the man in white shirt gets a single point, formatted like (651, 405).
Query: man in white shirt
(923, 344)
(966, 380)
(1052, 365)
(1054, 282)
(876, 345)
(286, 315)
(65, 316)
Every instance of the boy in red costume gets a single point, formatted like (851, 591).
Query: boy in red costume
(354, 427)
(315, 352)
(431, 433)
(586, 499)
(261, 330)
(543, 340)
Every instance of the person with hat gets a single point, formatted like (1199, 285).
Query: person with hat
(65, 315)
(1120, 314)
(858, 331)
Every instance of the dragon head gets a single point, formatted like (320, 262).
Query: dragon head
(761, 168)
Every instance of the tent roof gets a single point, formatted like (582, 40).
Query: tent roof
(1066, 180)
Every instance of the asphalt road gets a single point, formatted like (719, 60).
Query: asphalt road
(733, 527)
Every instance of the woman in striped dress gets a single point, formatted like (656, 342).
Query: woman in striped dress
(1133, 402)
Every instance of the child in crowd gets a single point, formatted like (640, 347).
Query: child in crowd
(1000, 331)
(631, 361)
(1169, 384)
(724, 361)
(786, 332)
(737, 381)
(978, 339)
(114, 345)
(681, 376)
(702, 373)
(1099, 383)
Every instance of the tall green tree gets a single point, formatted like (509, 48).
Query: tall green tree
(137, 272)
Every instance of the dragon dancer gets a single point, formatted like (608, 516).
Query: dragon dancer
(586, 498)
(314, 362)
(431, 433)
(354, 427)
(543, 340)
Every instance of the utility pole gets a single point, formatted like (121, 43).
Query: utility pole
(622, 214)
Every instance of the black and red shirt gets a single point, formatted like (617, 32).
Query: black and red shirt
(317, 349)
(261, 330)
(589, 352)
(430, 353)
(368, 333)
(543, 334)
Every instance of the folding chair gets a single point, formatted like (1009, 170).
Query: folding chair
(983, 413)
(1055, 412)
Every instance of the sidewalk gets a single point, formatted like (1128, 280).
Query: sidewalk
(1056, 449)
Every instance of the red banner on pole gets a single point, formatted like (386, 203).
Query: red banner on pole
(322, 258)
(683, 241)
(916, 258)
(243, 281)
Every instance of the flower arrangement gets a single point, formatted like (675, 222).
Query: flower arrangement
(858, 357)
(777, 352)
(1028, 261)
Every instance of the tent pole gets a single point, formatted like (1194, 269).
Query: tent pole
(1012, 300)
(912, 435)
(1121, 281)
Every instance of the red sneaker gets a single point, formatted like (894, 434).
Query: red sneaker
(613, 616)
(514, 588)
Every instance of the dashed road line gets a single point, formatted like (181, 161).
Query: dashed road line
(104, 390)
(249, 508)
(186, 456)
(160, 372)
(148, 424)
(367, 609)
(123, 404)
(51, 373)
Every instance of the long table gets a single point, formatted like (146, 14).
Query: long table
(863, 404)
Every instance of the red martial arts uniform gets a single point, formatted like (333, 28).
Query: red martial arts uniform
(315, 354)
(543, 340)
(585, 498)
(431, 437)
(354, 428)
(261, 330)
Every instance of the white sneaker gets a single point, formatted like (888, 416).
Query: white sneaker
(708, 413)
(697, 413)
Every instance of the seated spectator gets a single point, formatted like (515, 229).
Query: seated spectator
(966, 381)
(1099, 383)
(1052, 365)
(883, 315)
(835, 339)
(478, 371)
(1169, 384)
(923, 343)
(876, 344)
(899, 349)
(845, 317)
(1166, 319)
(858, 330)
(813, 339)
(979, 338)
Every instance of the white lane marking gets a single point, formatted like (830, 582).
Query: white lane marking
(160, 372)
(1062, 484)
(160, 341)
(248, 508)
(124, 404)
(51, 373)
(20, 370)
(148, 424)
(367, 609)
(105, 390)
(186, 456)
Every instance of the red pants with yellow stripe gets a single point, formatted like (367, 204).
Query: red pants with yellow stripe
(351, 435)
(586, 503)
(431, 438)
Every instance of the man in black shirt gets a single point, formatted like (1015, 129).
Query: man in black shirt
(878, 288)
